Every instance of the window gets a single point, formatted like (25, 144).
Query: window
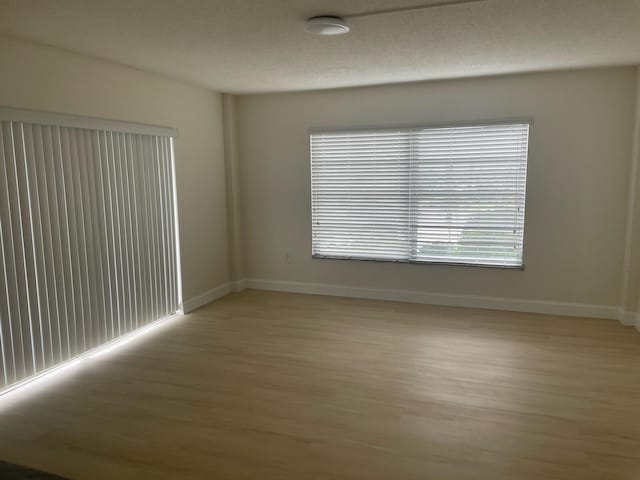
(452, 194)
(88, 245)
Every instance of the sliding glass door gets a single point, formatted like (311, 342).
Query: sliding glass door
(88, 236)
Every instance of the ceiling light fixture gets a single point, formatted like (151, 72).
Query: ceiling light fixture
(327, 25)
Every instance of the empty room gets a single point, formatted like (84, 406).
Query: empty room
(320, 239)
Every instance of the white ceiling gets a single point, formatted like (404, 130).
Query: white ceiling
(247, 46)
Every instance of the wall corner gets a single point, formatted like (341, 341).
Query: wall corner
(232, 172)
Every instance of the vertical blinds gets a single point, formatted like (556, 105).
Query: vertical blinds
(441, 195)
(88, 245)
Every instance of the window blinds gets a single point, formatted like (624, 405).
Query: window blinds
(88, 244)
(451, 194)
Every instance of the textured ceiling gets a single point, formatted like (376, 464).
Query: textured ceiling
(246, 46)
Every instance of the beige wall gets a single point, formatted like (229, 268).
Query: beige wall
(577, 182)
(631, 279)
(235, 235)
(577, 190)
(42, 78)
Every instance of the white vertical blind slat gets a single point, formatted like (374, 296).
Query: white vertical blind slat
(153, 275)
(98, 244)
(143, 249)
(153, 227)
(10, 361)
(135, 237)
(86, 235)
(78, 231)
(173, 225)
(28, 263)
(160, 209)
(6, 355)
(52, 160)
(167, 219)
(173, 193)
(72, 255)
(42, 235)
(157, 226)
(161, 223)
(38, 308)
(124, 234)
(49, 277)
(107, 236)
(114, 237)
(60, 153)
(15, 276)
(146, 208)
(116, 195)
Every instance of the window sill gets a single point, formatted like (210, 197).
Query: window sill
(418, 262)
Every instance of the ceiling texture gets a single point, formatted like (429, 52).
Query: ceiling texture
(254, 46)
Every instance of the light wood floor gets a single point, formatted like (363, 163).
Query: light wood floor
(265, 385)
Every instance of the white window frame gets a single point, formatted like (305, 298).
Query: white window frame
(476, 123)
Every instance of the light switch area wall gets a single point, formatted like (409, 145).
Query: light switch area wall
(42, 78)
(576, 209)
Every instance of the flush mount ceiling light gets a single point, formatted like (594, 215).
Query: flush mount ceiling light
(326, 25)
(334, 25)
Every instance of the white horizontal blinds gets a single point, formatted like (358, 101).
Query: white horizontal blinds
(448, 194)
(87, 240)
(469, 194)
(360, 188)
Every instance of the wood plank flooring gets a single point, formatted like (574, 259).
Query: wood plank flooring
(264, 385)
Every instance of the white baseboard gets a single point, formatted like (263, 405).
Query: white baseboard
(237, 286)
(627, 318)
(431, 298)
(206, 297)
(630, 319)
(452, 300)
